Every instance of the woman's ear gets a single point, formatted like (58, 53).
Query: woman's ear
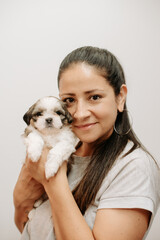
(121, 98)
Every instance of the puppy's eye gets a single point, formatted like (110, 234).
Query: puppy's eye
(38, 114)
(59, 113)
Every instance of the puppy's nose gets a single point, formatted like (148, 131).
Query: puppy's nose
(49, 120)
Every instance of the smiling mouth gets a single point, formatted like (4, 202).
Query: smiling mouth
(85, 126)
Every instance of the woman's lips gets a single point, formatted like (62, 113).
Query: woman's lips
(85, 126)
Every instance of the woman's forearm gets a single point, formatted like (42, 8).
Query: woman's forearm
(20, 218)
(22, 207)
(25, 193)
(68, 221)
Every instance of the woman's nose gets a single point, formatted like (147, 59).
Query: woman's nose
(81, 111)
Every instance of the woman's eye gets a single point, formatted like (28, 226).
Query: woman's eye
(68, 100)
(95, 97)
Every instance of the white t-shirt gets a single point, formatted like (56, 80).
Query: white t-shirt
(133, 182)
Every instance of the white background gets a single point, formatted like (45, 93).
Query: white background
(35, 35)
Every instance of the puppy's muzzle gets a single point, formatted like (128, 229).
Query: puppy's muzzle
(49, 120)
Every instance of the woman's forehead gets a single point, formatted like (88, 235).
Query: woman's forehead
(81, 73)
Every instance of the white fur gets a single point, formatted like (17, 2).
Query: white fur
(59, 138)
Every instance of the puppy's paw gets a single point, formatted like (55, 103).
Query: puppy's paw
(34, 153)
(34, 146)
(52, 165)
(51, 169)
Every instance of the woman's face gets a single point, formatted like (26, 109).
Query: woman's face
(91, 101)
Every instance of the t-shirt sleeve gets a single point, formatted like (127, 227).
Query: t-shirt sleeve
(133, 182)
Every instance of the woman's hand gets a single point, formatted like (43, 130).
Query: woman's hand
(37, 169)
(27, 190)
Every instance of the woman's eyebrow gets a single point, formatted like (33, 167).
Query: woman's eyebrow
(86, 92)
(94, 90)
(70, 94)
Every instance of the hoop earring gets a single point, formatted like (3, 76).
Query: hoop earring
(120, 117)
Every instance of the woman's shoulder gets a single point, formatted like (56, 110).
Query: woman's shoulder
(132, 182)
(137, 169)
(138, 158)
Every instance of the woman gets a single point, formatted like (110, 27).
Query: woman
(111, 191)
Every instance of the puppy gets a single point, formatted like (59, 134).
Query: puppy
(49, 125)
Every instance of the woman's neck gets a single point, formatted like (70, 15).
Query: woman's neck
(84, 149)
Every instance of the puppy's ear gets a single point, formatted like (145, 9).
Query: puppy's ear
(28, 115)
(68, 118)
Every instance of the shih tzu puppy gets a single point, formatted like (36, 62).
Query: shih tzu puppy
(49, 125)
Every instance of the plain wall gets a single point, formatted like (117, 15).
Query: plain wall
(35, 35)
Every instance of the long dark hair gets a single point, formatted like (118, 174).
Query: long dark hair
(107, 151)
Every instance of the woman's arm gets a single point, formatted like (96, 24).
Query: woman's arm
(27, 190)
(121, 224)
(110, 224)
(69, 224)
